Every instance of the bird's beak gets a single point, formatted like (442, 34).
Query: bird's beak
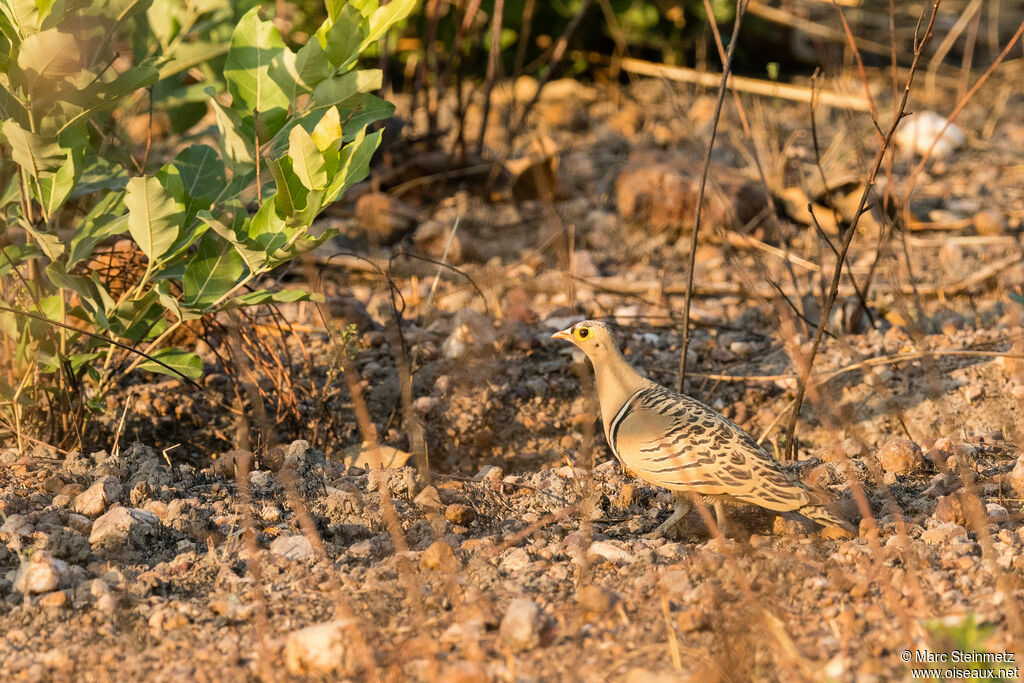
(564, 334)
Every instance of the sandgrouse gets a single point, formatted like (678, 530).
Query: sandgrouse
(680, 444)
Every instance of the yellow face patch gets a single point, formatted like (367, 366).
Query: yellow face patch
(582, 333)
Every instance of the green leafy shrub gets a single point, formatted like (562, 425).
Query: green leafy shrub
(291, 137)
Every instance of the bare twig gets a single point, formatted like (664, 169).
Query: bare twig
(912, 182)
(553, 61)
(492, 70)
(837, 273)
(754, 86)
(741, 7)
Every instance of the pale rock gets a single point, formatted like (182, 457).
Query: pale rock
(424, 405)
(457, 513)
(428, 498)
(322, 649)
(996, 512)
(54, 599)
(1015, 477)
(489, 473)
(583, 264)
(610, 552)
(361, 549)
(123, 526)
(515, 559)
(17, 525)
(106, 603)
(470, 331)
(900, 456)
(944, 534)
(521, 626)
(438, 555)
(296, 548)
(918, 131)
(989, 222)
(95, 499)
(596, 598)
(41, 574)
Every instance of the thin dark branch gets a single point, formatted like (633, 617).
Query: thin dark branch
(492, 70)
(556, 57)
(452, 268)
(741, 8)
(102, 338)
(837, 273)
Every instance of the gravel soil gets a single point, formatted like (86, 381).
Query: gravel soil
(510, 545)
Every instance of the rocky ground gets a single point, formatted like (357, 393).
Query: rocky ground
(515, 549)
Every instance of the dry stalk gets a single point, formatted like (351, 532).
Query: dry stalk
(369, 434)
(851, 231)
(742, 114)
(492, 70)
(342, 605)
(753, 86)
(912, 182)
(252, 547)
(861, 295)
(741, 7)
(553, 61)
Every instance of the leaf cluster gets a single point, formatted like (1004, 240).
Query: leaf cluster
(291, 130)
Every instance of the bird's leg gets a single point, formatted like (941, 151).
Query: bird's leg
(721, 519)
(681, 508)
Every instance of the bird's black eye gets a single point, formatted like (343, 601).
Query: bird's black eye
(583, 333)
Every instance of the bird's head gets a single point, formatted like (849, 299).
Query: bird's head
(593, 338)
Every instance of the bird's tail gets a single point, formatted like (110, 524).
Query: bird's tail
(827, 518)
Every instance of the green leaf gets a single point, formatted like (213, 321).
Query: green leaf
(1019, 298)
(368, 109)
(263, 296)
(48, 242)
(98, 175)
(139, 318)
(268, 229)
(214, 270)
(291, 193)
(338, 90)
(164, 18)
(33, 153)
(202, 174)
(307, 161)
(365, 7)
(154, 217)
(23, 16)
(48, 56)
(328, 129)
(253, 256)
(100, 96)
(123, 10)
(18, 254)
(345, 36)
(56, 187)
(11, 107)
(305, 217)
(256, 72)
(171, 267)
(355, 163)
(188, 55)
(87, 289)
(384, 18)
(309, 67)
(188, 364)
(106, 218)
(236, 135)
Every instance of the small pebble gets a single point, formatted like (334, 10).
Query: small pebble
(520, 627)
